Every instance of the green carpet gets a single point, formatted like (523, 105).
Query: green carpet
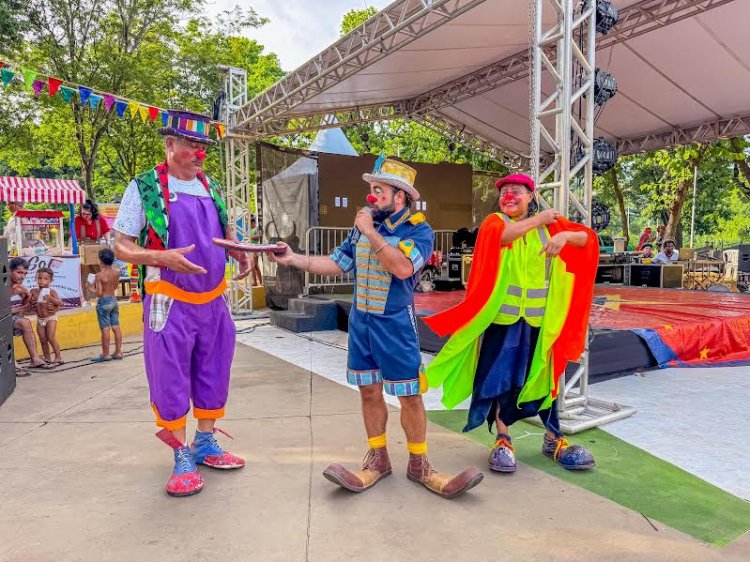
(632, 478)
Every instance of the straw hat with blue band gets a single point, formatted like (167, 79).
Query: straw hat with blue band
(187, 125)
(394, 173)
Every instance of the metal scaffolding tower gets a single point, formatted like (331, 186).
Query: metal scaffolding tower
(239, 192)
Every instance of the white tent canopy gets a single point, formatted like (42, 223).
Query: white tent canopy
(682, 69)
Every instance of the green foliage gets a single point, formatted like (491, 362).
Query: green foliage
(159, 52)
(354, 18)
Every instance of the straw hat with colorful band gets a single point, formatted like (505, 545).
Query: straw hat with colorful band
(191, 126)
(394, 173)
(520, 179)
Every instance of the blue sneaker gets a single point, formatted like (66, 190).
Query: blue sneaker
(186, 479)
(570, 457)
(206, 450)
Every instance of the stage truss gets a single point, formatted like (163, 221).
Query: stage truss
(237, 160)
(561, 140)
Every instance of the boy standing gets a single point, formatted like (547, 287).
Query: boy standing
(107, 311)
(46, 302)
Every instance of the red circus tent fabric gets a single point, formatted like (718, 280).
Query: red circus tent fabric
(40, 190)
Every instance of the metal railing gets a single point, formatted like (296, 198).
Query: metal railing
(321, 241)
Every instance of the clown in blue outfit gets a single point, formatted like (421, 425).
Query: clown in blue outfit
(386, 251)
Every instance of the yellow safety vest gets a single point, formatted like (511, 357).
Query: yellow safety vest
(526, 296)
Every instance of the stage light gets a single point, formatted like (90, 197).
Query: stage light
(605, 87)
(599, 216)
(604, 157)
(451, 146)
(607, 16)
(364, 137)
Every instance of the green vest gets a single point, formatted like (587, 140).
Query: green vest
(528, 279)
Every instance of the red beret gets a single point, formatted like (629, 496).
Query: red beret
(521, 179)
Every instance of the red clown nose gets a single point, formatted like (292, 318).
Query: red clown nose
(200, 155)
(372, 199)
(508, 198)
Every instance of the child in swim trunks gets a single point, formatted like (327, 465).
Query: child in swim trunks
(46, 302)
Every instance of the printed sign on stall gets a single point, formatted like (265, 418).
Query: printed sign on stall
(66, 280)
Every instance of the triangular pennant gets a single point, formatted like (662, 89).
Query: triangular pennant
(85, 93)
(144, 113)
(219, 130)
(153, 113)
(54, 85)
(38, 86)
(121, 106)
(164, 118)
(67, 93)
(28, 77)
(133, 106)
(109, 101)
(94, 100)
(7, 75)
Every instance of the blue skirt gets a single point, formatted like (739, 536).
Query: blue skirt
(504, 363)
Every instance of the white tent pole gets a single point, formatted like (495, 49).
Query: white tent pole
(692, 220)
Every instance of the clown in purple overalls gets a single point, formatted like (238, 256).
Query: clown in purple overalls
(166, 223)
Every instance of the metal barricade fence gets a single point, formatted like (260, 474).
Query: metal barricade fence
(321, 241)
(443, 242)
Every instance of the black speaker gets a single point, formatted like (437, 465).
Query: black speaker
(7, 364)
(645, 276)
(743, 261)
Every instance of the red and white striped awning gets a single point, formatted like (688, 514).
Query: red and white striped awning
(40, 190)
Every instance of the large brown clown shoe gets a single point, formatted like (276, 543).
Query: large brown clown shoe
(375, 467)
(445, 485)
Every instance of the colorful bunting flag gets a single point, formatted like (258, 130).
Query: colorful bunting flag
(7, 76)
(121, 106)
(28, 77)
(54, 85)
(67, 93)
(38, 86)
(84, 92)
(109, 101)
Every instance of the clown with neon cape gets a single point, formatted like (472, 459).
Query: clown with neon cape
(524, 318)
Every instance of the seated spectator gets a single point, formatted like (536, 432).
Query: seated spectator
(20, 299)
(668, 253)
(647, 253)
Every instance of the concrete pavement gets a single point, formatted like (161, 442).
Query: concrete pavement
(82, 479)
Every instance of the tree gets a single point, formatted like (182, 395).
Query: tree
(97, 43)
(160, 52)
(14, 18)
(354, 18)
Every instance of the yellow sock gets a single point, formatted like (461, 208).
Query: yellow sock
(417, 448)
(377, 442)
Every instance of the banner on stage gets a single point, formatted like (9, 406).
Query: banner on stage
(66, 280)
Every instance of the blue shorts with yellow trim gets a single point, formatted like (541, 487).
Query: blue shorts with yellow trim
(384, 348)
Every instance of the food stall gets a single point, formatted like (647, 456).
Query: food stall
(39, 235)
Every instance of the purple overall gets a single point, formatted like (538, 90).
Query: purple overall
(191, 356)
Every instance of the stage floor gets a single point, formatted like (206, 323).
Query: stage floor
(679, 326)
(638, 328)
